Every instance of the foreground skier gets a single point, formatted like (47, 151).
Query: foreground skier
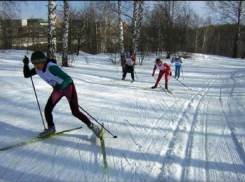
(164, 69)
(62, 86)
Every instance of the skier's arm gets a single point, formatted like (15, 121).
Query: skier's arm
(61, 74)
(154, 69)
(133, 60)
(26, 70)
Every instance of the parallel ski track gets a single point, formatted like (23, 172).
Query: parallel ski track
(189, 147)
(240, 153)
(205, 174)
(145, 143)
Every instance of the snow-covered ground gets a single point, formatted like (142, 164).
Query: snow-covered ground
(195, 134)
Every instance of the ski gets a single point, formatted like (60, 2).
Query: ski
(102, 144)
(158, 88)
(116, 80)
(31, 140)
(167, 90)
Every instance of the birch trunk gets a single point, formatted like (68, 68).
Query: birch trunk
(121, 40)
(51, 30)
(65, 35)
(137, 23)
(134, 38)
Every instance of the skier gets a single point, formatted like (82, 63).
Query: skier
(62, 86)
(128, 66)
(164, 69)
(178, 63)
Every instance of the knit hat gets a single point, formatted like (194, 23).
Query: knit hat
(158, 60)
(38, 57)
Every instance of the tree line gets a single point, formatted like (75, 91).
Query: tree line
(137, 26)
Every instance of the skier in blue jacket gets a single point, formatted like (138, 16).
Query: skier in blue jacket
(178, 63)
(62, 85)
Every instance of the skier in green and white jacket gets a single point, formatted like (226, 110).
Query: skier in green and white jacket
(62, 85)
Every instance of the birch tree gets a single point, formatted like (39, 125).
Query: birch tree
(65, 35)
(139, 23)
(51, 30)
(134, 23)
(121, 40)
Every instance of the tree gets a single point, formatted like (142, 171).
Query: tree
(231, 11)
(65, 34)
(51, 30)
(8, 11)
(137, 22)
(121, 40)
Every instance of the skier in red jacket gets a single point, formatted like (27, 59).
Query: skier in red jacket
(164, 69)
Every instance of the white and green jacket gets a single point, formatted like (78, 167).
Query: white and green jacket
(51, 74)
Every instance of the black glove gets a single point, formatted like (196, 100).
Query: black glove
(57, 87)
(26, 60)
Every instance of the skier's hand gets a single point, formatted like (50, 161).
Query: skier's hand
(57, 87)
(152, 74)
(26, 60)
(170, 73)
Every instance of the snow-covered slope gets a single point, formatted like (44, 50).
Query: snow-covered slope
(191, 135)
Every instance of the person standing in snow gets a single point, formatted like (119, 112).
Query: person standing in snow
(178, 63)
(164, 69)
(62, 85)
(128, 66)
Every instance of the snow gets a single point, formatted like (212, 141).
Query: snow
(195, 134)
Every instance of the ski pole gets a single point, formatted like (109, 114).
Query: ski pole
(114, 136)
(38, 102)
(181, 83)
(182, 72)
(136, 75)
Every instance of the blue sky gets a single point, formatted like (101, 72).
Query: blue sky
(38, 9)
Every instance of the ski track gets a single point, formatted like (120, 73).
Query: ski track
(163, 141)
(196, 131)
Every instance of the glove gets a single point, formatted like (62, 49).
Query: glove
(152, 74)
(26, 61)
(170, 73)
(57, 87)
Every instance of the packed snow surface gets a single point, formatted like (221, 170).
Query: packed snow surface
(194, 134)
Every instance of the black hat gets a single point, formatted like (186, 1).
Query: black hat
(158, 60)
(38, 57)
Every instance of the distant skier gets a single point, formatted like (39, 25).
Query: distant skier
(178, 63)
(164, 69)
(128, 66)
(62, 86)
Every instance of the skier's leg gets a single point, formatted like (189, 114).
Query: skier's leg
(52, 101)
(159, 77)
(179, 71)
(132, 73)
(176, 71)
(73, 101)
(124, 74)
(166, 80)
